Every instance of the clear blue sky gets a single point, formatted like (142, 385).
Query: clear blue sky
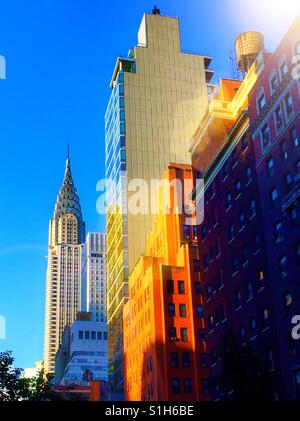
(60, 56)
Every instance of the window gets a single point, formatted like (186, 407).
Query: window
(283, 150)
(181, 287)
(80, 334)
(278, 118)
(297, 170)
(273, 196)
(297, 253)
(246, 254)
(105, 336)
(235, 264)
(293, 216)
(175, 385)
(172, 334)
(228, 200)
(270, 167)
(253, 326)
(182, 310)
(252, 208)
(171, 309)
(294, 136)
(238, 187)
(170, 286)
(203, 232)
(265, 136)
(256, 243)
(174, 359)
(261, 103)
(297, 382)
(187, 385)
(283, 70)
(288, 181)
(242, 333)
(274, 83)
(278, 232)
(99, 336)
(242, 219)
(271, 359)
(186, 232)
(248, 173)
(206, 261)
(225, 170)
(196, 265)
(86, 334)
(203, 360)
(260, 279)
(288, 299)
(283, 266)
(265, 316)
(244, 143)
(231, 232)
(234, 157)
(205, 385)
(185, 359)
(288, 104)
(238, 299)
(199, 311)
(210, 322)
(201, 335)
(249, 290)
(198, 288)
(184, 334)
(93, 335)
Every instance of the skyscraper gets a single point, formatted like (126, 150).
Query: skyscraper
(63, 290)
(94, 276)
(158, 95)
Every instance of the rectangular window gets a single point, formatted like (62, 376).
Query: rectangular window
(187, 385)
(288, 181)
(198, 288)
(181, 287)
(278, 232)
(93, 335)
(283, 266)
(182, 310)
(270, 167)
(105, 336)
(171, 309)
(184, 334)
(265, 136)
(278, 118)
(294, 137)
(80, 334)
(203, 360)
(99, 336)
(288, 104)
(172, 334)
(205, 386)
(174, 359)
(274, 83)
(201, 335)
(175, 385)
(170, 286)
(261, 103)
(196, 265)
(283, 70)
(199, 310)
(283, 150)
(185, 359)
(86, 334)
(273, 196)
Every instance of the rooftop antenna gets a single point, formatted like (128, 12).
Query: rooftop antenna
(155, 11)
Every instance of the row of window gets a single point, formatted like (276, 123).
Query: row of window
(185, 385)
(99, 336)
(182, 310)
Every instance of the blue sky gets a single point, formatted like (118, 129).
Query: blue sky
(60, 56)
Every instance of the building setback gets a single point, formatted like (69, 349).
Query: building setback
(163, 318)
(274, 106)
(158, 95)
(94, 276)
(63, 289)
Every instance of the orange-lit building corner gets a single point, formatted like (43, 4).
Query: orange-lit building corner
(164, 350)
(224, 110)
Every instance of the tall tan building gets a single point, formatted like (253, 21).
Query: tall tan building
(159, 93)
(63, 290)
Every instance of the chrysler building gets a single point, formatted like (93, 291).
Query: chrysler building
(63, 290)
